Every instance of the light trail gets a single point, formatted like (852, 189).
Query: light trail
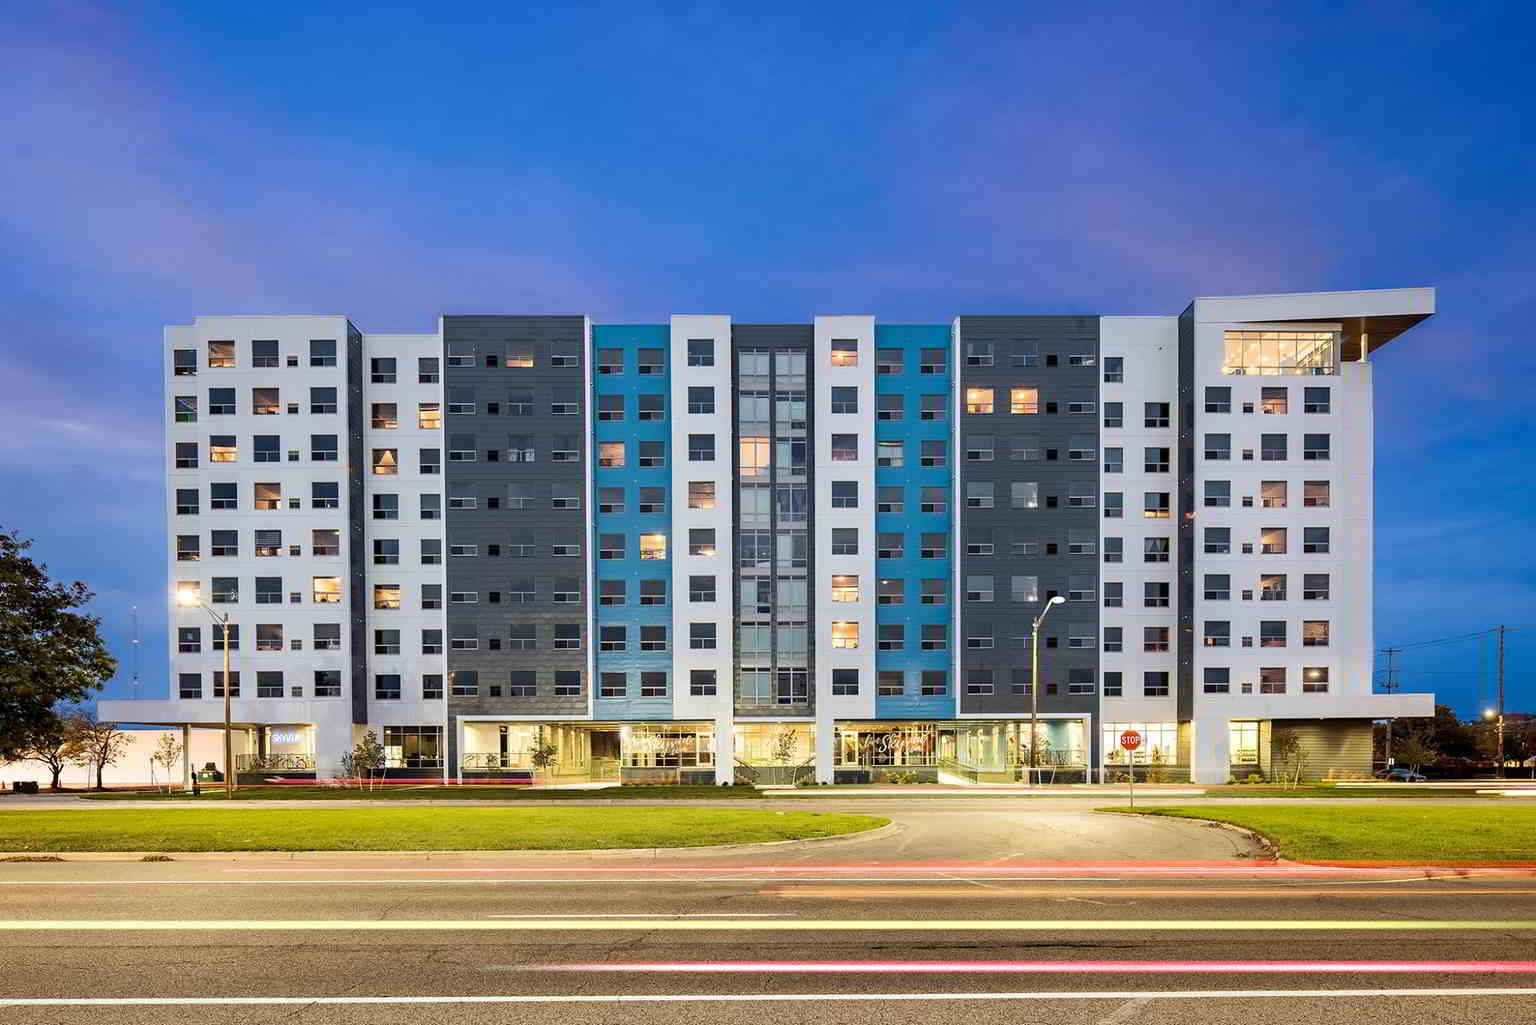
(1048, 967)
(1193, 893)
(771, 998)
(761, 925)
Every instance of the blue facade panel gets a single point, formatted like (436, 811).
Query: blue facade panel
(911, 383)
(623, 380)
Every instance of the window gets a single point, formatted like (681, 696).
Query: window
(845, 400)
(386, 552)
(1218, 540)
(979, 589)
(610, 361)
(385, 596)
(610, 408)
(931, 407)
(890, 499)
(845, 352)
(932, 453)
(386, 642)
(386, 461)
(1114, 369)
(264, 448)
(431, 687)
(701, 541)
(1272, 541)
(1155, 505)
(464, 683)
(1273, 448)
(184, 363)
(221, 354)
(612, 638)
(386, 507)
(1114, 460)
(845, 448)
(326, 590)
(888, 361)
(1314, 540)
(845, 494)
(845, 682)
(1272, 680)
(845, 634)
(701, 636)
(1114, 505)
(1114, 549)
(1272, 633)
(979, 495)
(1154, 684)
(222, 496)
(933, 590)
(1155, 414)
(701, 400)
(323, 448)
(1274, 400)
(1081, 587)
(1024, 494)
(979, 447)
(1114, 594)
(1114, 414)
(890, 546)
(978, 354)
(567, 636)
(1217, 446)
(1154, 638)
(1024, 589)
(1315, 494)
(1315, 446)
(845, 541)
(610, 453)
(1314, 587)
(1314, 633)
(701, 352)
(1022, 401)
(382, 370)
(978, 681)
(1280, 352)
(1218, 400)
(221, 402)
(1316, 400)
(221, 448)
(933, 499)
(978, 400)
(651, 408)
(934, 683)
(1314, 680)
(322, 353)
(889, 683)
(701, 448)
(1218, 493)
(1155, 594)
(887, 407)
(185, 409)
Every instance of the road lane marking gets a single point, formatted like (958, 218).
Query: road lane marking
(950, 873)
(722, 914)
(751, 998)
(1118, 891)
(1041, 967)
(740, 925)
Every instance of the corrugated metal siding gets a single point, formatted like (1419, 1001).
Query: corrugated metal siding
(1336, 746)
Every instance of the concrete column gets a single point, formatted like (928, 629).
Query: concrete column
(725, 750)
(186, 756)
(1210, 751)
(824, 738)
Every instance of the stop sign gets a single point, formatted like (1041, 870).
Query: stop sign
(1130, 740)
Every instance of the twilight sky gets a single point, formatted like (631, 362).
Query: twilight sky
(911, 160)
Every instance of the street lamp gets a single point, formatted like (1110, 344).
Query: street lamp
(188, 598)
(1498, 718)
(1034, 684)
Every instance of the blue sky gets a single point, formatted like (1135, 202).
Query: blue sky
(774, 162)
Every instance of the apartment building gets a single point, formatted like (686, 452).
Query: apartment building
(711, 551)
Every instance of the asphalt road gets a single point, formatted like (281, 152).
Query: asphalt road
(1023, 914)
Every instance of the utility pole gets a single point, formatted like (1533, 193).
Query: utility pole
(1500, 676)
(1390, 686)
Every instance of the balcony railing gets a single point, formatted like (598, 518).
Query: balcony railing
(275, 763)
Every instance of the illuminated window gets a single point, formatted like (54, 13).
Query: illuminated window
(386, 416)
(385, 596)
(845, 587)
(429, 416)
(845, 352)
(845, 635)
(264, 402)
(1314, 680)
(653, 546)
(701, 494)
(518, 358)
(1280, 352)
(221, 448)
(610, 453)
(978, 400)
(754, 457)
(221, 354)
(1243, 742)
(1023, 400)
(327, 590)
(386, 461)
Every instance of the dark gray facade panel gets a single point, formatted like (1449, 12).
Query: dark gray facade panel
(1185, 670)
(1051, 430)
(357, 568)
(491, 523)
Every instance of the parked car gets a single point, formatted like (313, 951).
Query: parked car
(1400, 775)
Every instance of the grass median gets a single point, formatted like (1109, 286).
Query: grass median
(410, 829)
(1362, 833)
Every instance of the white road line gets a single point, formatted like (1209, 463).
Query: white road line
(567, 924)
(737, 998)
(648, 881)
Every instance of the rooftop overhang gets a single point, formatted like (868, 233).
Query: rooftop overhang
(1367, 319)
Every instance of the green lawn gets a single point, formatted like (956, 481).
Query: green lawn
(414, 829)
(1420, 835)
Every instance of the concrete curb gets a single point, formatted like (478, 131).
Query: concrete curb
(1269, 851)
(878, 832)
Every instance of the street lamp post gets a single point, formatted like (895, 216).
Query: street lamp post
(188, 599)
(1498, 718)
(1034, 686)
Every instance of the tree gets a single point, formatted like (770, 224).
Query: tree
(104, 743)
(56, 744)
(1415, 748)
(1287, 756)
(167, 753)
(48, 652)
(364, 761)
